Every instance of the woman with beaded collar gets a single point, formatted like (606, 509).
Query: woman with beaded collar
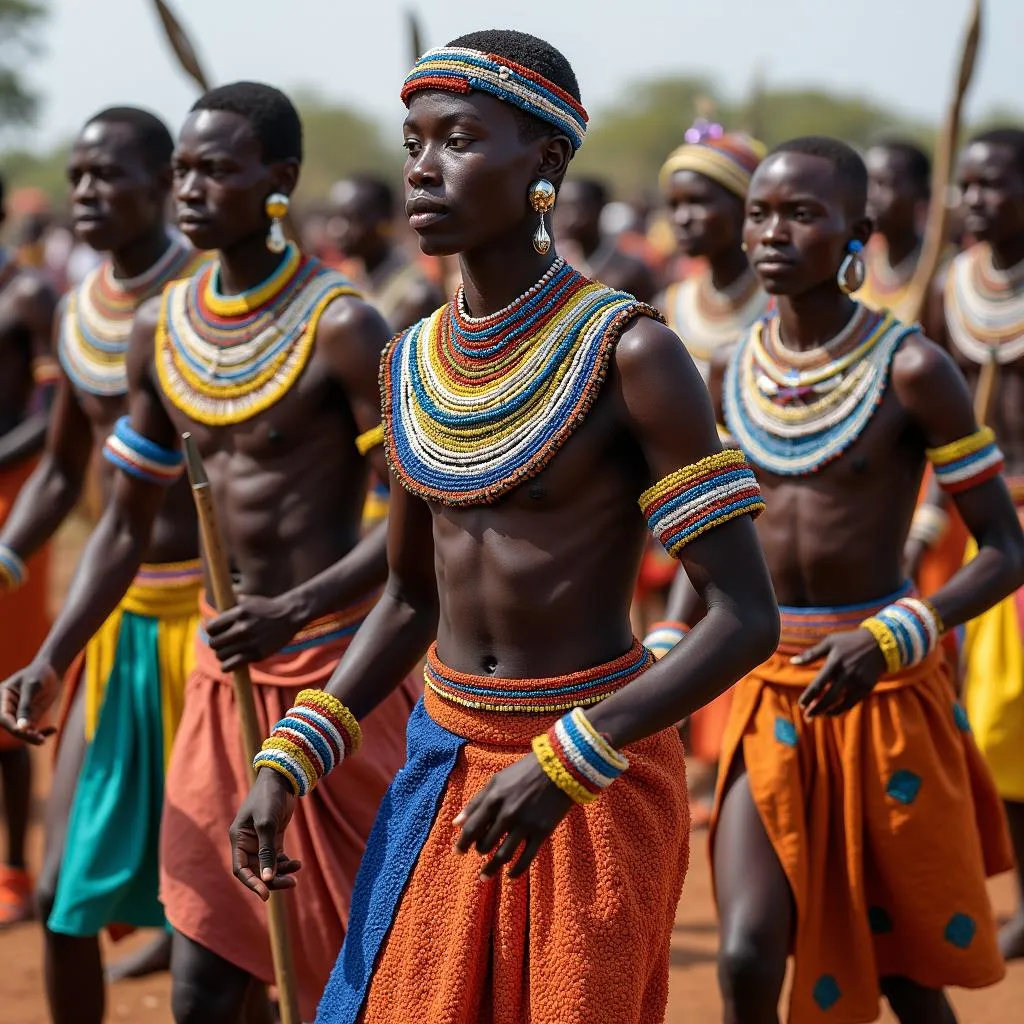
(523, 422)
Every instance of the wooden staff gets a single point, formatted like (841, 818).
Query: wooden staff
(986, 389)
(182, 46)
(224, 599)
(934, 245)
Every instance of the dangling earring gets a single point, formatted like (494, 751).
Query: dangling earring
(852, 270)
(542, 199)
(277, 209)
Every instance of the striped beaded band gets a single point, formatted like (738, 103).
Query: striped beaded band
(369, 439)
(45, 371)
(577, 759)
(729, 160)
(700, 497)
(961, 465)
(142, 458)
(907, 631)
(663, 636)
(459, 69)
(316, 735)
(528, 696)
(13, 571)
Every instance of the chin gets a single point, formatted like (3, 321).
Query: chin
(434, 245)
(202, 236)
(98, 238)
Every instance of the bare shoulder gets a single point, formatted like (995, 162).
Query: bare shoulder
(351, 321)
(141, 341)
(649, 350)
(32, 289)
(924, 374)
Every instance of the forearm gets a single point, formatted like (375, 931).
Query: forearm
(109, 562)
(684, 604)
(727, 643)
(387, 647)
(363, 569)
(45, 501)
(25, 440)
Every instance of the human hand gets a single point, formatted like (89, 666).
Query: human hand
(257, 836)
(254, 629)
(24, 700)
(853, 665)
(520, 803)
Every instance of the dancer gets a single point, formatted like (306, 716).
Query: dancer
(126, 691)
(521, 433)
(856, 821)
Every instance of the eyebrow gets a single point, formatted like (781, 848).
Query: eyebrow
(449, 119)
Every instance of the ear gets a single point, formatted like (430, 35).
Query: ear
(284, 174)
(555, 154)
(861, 230)
(163, 182)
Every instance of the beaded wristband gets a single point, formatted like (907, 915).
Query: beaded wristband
(369, 439)
(13, 571)
(968, 462)
(316, 735)
(139, 457)
(928, 525)
(907, 631)
(577, 759)
(663, 636)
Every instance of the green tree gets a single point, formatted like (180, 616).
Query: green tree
(19, 24)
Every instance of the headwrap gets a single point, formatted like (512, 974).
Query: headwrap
(729, 158)
(457, 69)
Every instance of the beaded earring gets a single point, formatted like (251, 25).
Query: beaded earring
(852, 270)
(542, 200)
(277, 208)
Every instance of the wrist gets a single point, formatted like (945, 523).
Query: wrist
(906, 631)
(577, 759)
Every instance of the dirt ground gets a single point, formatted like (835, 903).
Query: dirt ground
(693, 994)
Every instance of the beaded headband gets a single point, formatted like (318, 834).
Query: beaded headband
(458, 69)
(729, 159)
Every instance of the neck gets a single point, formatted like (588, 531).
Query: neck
(246, 265)
(727, 267)
(900, 244)
(814, 317)
(141, 253)
(1008, 252)
(492, 280)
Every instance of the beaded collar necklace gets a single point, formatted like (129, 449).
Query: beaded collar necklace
(98, 319)
(883, 279)
(985, 307)
(473, 407)
(223, 359)
(707, 319)
(794, 412)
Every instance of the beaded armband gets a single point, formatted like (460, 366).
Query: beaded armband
(311, 740)
(907, 631)
(577, 759)
(13, 572)
(961, 465)
(369, 440)
(142, 458)
(663, 636)
(45, 371)
(700, 497)
(928, 525)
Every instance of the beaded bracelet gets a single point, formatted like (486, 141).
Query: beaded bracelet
(663, 636)
(13, 571)
(928, 525)
(316, 735)
(577, 759)
(369, 439)
(907, 631)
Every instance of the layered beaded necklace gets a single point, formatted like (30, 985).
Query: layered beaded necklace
(985, 307)
(709, 320)
(94, 332)
(885, 286)
(794, 412)
(474, 407)
(223, 359)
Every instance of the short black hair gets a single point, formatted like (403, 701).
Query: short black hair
(918, 163)
(533, 53)
(379, 193)
(274, 119)
(849, 168)
(593, 189)
(149, 131)
(1011, 138)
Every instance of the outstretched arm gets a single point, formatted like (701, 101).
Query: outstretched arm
(350, 338)
(111, 557)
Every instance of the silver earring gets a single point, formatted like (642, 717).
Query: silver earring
(542, 200)
(277, 209)
(852, 270)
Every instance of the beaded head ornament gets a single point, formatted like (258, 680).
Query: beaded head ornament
(728, 158)
(460, 69)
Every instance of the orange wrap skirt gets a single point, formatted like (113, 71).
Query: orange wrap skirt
(24, 618)
(207, 781)
(886, 822)
(582, 938)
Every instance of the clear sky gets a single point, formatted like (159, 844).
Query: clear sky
(100, 52)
